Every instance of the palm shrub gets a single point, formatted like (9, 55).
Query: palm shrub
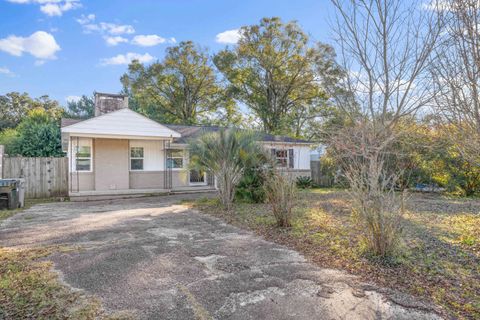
(250, 188)
(226, 153)
(304, 182)
(280, 192)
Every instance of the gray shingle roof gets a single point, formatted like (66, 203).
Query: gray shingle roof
(191, 132)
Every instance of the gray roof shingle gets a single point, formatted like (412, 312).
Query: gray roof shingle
(191, 132)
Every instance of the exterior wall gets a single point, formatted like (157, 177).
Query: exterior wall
(147, 179)
(111, 164)
(155, 179)
(86, 181)
(180, 178)
(154, 155)
(301, 153)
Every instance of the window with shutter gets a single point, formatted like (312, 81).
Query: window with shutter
(291, 159)
(281, 157)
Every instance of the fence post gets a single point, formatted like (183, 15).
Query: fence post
(2, 151)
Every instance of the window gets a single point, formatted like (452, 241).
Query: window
(175, 160)
(136, 158)
(282, 158)
(82, 160)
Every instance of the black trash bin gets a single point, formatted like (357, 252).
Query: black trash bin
(9, 193)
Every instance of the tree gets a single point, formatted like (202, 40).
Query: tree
(273, 70)
(81, 109)
(456, 74)
(38, 135)
(227, 154)
(182, 89)
(386, 46)
(15, 106)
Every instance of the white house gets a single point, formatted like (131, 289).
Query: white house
(121, 152)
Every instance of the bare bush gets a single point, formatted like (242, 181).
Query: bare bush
(280, 192)
(385, 47)
(456, 74)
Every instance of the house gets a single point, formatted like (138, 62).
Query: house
(120, 152)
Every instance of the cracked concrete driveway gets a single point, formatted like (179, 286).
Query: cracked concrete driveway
(156, 259)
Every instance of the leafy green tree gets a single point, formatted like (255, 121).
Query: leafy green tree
(38, 135)
(183, 88)
(14, 106)
(81, 109)
(274, 70)
(227, 154)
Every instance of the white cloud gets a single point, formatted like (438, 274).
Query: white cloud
(52, 7)
(111, 32)
(114, 40)
(41, 45)
(127, 58)
(229, 36)
(113, 28)
(73, 98)
(6, 71)
(84, 19)
(89, 26)
(39, 63)
(148, 40)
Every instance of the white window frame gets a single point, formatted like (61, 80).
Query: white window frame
(204, 183)
(286, 158)
(82, 142)
(183, 159)
(136, 158)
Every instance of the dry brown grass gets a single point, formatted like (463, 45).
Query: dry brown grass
(440, 253)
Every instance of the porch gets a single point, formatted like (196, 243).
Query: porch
(123, 154)
(136, 193)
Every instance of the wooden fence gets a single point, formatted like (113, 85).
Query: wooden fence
(322, 176)
(44, 177)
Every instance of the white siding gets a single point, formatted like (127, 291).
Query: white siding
(153, 155)
(124, 123)
(301, 154)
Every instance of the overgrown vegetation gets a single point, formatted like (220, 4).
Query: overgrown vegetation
(226, 154)
(304, 182)
(37, 135)
(250, 188)
(438, 258)
(280, 194)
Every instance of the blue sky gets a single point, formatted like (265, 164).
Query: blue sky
(66, 48)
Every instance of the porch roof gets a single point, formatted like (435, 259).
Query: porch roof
(123, 123)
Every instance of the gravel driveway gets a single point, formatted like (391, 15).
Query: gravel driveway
(156, 259)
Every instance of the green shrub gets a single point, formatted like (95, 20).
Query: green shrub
(304, 182)
(251, 187)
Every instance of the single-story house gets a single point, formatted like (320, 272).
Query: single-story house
(121, 152)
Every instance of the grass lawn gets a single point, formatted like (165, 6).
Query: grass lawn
(440, 255)
(29, 289)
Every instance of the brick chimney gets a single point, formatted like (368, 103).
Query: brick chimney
(108, 102)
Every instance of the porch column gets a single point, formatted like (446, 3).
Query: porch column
(2, 151)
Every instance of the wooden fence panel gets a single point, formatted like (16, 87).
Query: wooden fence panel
(44, 177)
(321, 176)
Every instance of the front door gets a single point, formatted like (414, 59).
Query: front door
(197, 177)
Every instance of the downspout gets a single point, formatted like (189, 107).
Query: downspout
(76, 160)
(70, 164)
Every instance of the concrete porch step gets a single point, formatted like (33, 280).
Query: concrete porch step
(134, 193)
